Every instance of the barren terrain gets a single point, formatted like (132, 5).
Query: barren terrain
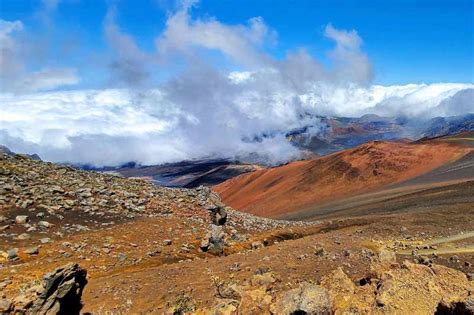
(157, 250)
(278, 191)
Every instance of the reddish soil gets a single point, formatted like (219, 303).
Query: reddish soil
(152, 263)
(299, 185)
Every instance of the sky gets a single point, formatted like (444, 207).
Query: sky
(424, 41)
(154, 81)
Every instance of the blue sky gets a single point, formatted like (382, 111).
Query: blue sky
(406, 41)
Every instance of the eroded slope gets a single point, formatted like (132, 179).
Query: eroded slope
(298, 185)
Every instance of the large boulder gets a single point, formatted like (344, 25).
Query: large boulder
(306, 299)
(216, 208)
(214, 241)
(418, 289)
(60, 293)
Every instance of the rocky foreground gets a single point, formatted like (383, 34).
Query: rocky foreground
(160, 250)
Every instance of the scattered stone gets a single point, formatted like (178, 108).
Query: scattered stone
(319, 251)
(386, 255)
(425, 261)
(154, 252)
(32, 250)
(167, 242)
(45, 240)
(44, 224)
(12, 254)
(5, 306)
(21, 219)
(257, 245)
(263, 269)
(4, 284)
(235, 267)
(122, 257)
(24, 236)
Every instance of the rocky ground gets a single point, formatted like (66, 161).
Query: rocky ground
(160, 250)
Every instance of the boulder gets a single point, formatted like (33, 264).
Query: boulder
(24, 236)
(12, 254)
(32, 250)
(257, 245)
(44, 224)
(5, 306)
(306, 299)
(461, 308)
(21, 219)
(45, 240)
(217, 209)
(214, 241)
(388, 256)
(62, 291)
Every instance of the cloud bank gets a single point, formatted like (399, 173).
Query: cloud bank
(107, 127)
(227, 91)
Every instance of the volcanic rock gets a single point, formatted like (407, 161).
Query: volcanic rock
(21, 219)
(306, 299)
(62, 291)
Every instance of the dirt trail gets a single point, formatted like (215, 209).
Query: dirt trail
(443, 245)
(453, 238)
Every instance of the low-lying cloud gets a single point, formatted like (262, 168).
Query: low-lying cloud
(211, 107)
(107, 127)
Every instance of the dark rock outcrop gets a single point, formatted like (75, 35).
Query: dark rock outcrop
(60, 293)
(214, 242)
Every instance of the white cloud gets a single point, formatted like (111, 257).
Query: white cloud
(14, 57)
(351, 64)
(47, 79)
(108, 127)
(238, 42)
(9, 60)
(130, 65)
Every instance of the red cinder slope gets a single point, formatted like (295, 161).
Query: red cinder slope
(281, 190)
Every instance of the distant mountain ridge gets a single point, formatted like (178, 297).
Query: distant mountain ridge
(332, 134)
(7, 151)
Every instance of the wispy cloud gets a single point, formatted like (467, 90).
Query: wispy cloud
(228, 91)
(15, 54)
(129, 66)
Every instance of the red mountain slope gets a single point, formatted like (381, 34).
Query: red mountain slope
(281, 190)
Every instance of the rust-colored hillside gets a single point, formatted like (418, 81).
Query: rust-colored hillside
(281, 190)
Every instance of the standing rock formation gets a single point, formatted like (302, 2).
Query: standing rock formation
(60, 293)
(214, 240)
